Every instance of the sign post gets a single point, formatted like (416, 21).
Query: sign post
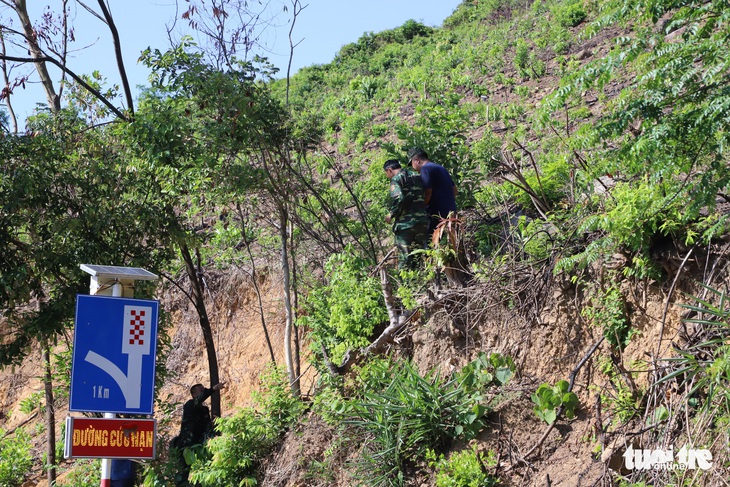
(113, 335)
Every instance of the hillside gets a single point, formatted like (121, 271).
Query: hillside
(588, 140)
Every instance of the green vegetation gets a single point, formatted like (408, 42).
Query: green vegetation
(343, 314)
(607, 311)
(549, 399)
(705, 364)
(570, 164)
(400, 415)
(465, 468)
(85, 474)
(15, 458)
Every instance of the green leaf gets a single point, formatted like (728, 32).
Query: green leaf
(562, 386)
(550, 416)
(503, 375)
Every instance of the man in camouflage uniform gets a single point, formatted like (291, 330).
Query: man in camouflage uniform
(407, 212)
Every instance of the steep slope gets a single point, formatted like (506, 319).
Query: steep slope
(600, 327)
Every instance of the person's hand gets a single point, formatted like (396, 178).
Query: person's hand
(388, 218)
(219, 386)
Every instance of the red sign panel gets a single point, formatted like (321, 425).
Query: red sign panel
(110, 438)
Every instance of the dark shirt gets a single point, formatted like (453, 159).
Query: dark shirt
(196, 424)
(438, 180)
(122, 473)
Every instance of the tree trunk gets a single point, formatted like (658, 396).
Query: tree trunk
(254, 278)
(54, 101)
(50, 415)
(295, 290)
(288, 354)
(196, 280)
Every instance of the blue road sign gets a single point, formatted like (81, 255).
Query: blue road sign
(113, 365)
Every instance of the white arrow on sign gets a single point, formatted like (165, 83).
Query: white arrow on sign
(135, 344)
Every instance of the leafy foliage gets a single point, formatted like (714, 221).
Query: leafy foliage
(548, 399)
(343, 314)
(607, 310)
(464, 468)
(401, 414)
(15, 458)
(206, 142)
(655, 131)
(49, 227)
(84, 474)
(231, 458)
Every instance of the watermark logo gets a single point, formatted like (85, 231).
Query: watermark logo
(685, 459)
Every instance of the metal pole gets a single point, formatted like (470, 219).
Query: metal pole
(106, 463)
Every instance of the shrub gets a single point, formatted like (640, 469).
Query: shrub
(15, 458)
(464, 469)
(342, 314)
(244, 438)
(32, 403)
(401, 414)
(549, 398)
(569, 14)
(85, 473)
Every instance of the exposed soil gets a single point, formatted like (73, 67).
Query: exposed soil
(540, 326)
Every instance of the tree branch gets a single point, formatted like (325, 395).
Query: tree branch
(118, 54)
(79, 80)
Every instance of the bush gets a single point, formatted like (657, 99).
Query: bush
(464, 469)
(400, 414)
(569, 15)
(15, 458)
(85, 473)
(343, 314)
(246, 437)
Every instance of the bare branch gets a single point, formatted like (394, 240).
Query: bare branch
(7, 90)
(118, 54)
(79, 80)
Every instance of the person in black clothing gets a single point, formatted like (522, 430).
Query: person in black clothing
(123, 473)
(196, 426)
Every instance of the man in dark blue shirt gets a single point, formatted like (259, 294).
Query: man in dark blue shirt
(439, 188)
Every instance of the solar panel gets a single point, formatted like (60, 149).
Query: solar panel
(118, 272)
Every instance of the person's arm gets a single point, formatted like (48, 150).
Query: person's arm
(209, 392)
(394, 202)
(454, 187)
(427, 195)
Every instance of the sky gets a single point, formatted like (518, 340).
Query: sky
(321, 29)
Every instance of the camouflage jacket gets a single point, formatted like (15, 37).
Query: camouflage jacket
(406, 204)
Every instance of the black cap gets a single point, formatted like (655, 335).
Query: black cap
(416, 152)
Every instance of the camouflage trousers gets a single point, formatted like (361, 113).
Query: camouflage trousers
(409, 239)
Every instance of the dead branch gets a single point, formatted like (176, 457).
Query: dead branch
(77, 78)
(118, 53)
(560, 409)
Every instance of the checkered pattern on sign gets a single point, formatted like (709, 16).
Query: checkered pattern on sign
(136, 330)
